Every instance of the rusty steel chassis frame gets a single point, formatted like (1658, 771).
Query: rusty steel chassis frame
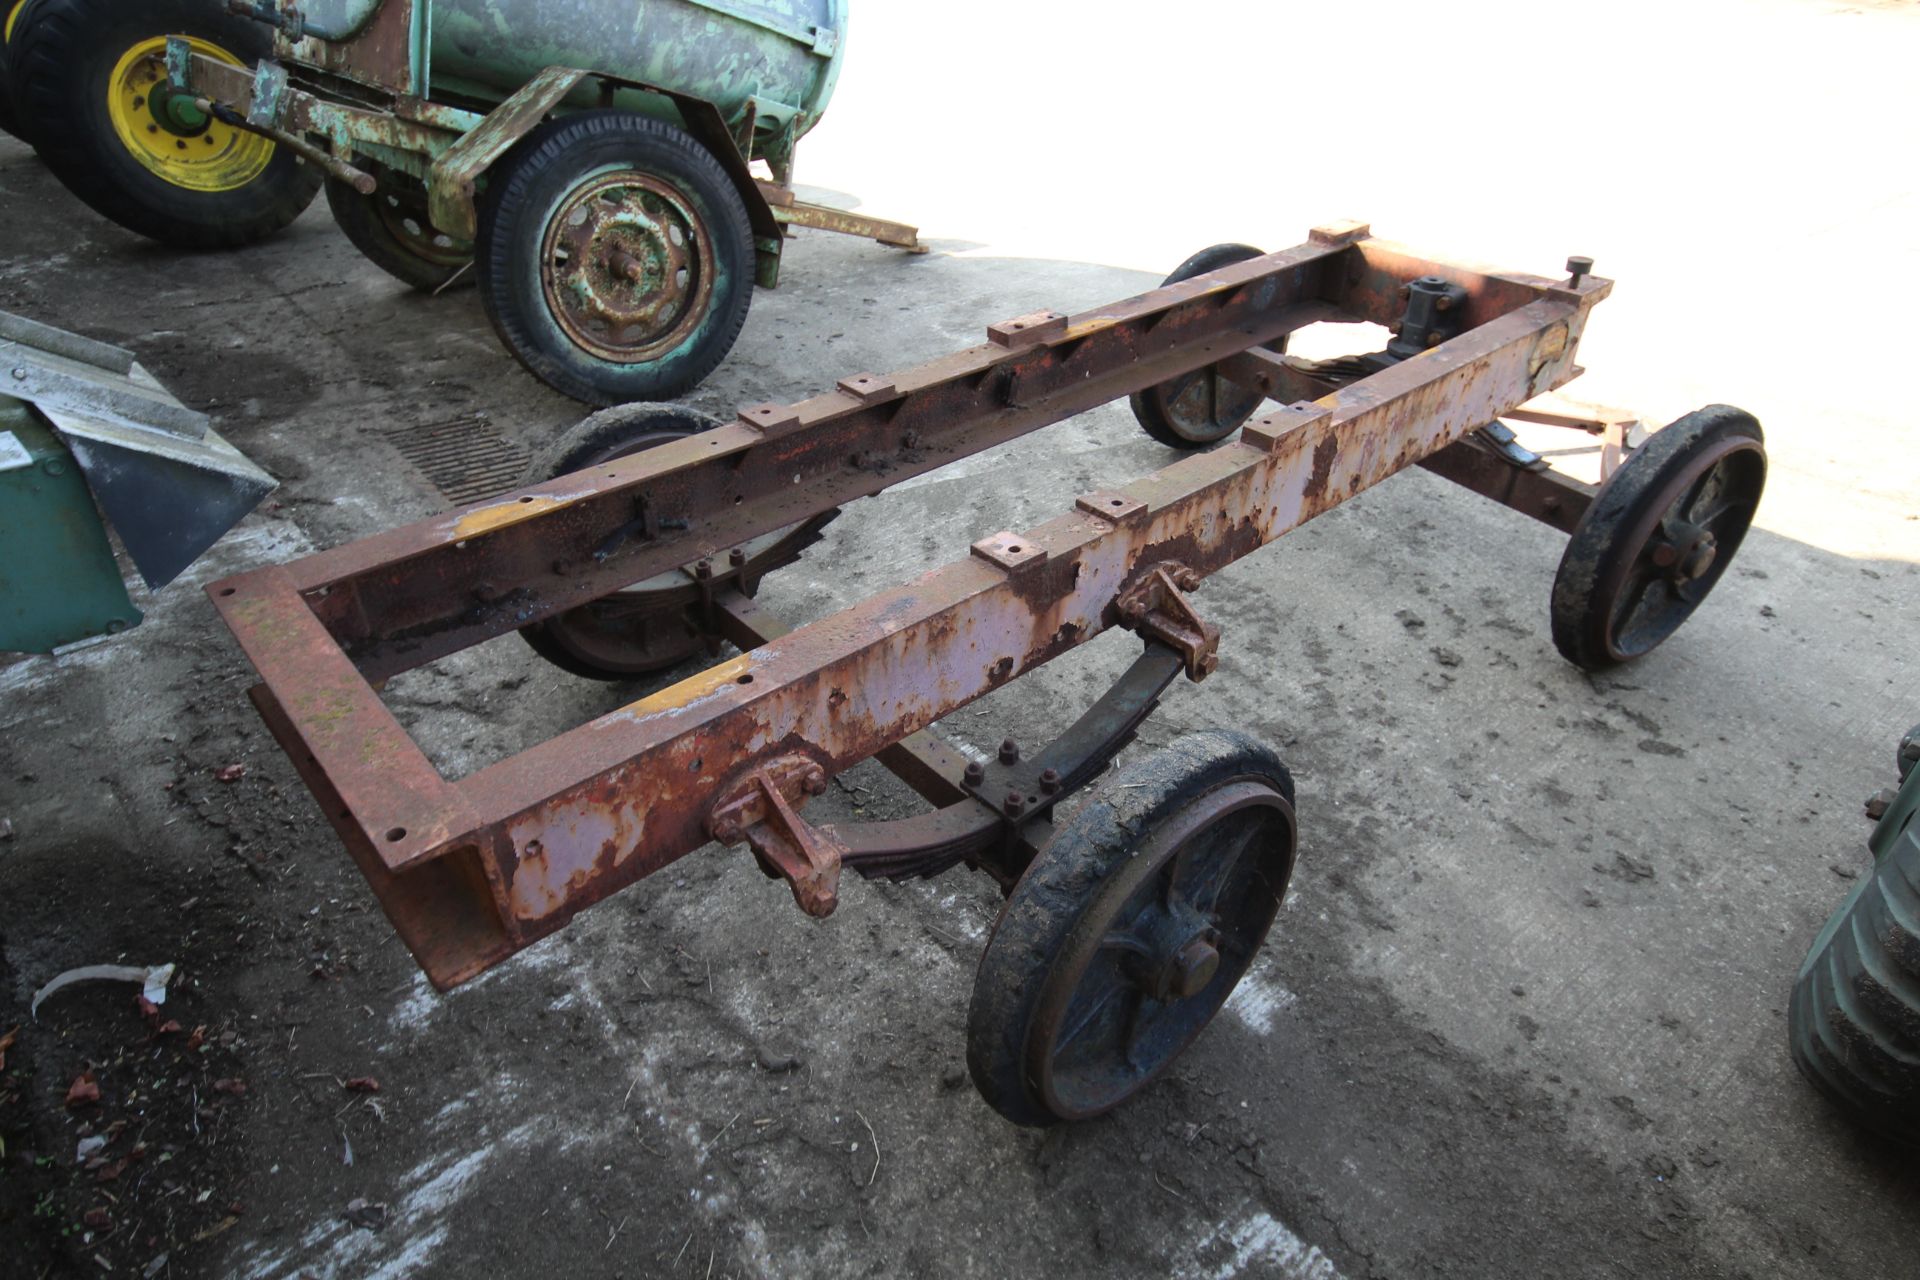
(470, 871)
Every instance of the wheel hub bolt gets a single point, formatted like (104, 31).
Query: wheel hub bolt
(1049, 780)
(1009, 751)
(622, 263)
(736, 557)
(1699, 557)
(1194, 965)
(1015, 804)
(975, 774)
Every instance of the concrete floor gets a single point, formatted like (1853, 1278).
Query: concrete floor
(1524, 1013)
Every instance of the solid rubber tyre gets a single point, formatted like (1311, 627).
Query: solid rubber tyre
(1199, 408)
(526, 289)
(1067, 896)
(1854, 1019)
(616, 432)
(390, 229)
(1612, 602)
(63, 68)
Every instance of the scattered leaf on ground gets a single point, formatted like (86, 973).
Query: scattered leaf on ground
(83, 1090)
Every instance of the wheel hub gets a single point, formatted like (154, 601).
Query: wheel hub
(626, 269)
(1177, 955)
(1192, 967)
(1687, 553)
(167, 132)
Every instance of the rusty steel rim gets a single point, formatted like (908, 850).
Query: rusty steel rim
(1160, 947)
(627, 267)
(1204, 407)
(1682, 545)
(406, 221)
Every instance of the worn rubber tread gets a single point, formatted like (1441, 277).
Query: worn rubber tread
(1045, 905)
(1891, 1007)
(508, 275)
(59, 47)
(1854, 1017)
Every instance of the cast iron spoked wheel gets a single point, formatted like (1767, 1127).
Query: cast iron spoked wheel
(391, 228)
(616, 260)
(1131, 928)
(1199, 408)
(90, 82)
(1658, 536)
(651, 625)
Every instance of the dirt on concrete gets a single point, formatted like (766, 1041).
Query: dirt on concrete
(1522, 1014)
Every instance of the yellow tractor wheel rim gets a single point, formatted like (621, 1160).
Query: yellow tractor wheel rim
(13, 16)
(211, 156)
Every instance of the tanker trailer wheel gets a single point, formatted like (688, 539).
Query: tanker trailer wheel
(1131, 928)
(616, 260)
(1659, 534)
(1196, 409)
(1853, 1023)
(391, 228)
(655, 624)
(91, 77)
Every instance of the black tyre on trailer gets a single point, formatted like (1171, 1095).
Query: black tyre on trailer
(89, 78)
(1853, 1023)
(392, 229)
(615, 257)
(11, 12)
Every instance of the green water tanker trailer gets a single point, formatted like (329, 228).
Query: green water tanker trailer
(587, 162)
